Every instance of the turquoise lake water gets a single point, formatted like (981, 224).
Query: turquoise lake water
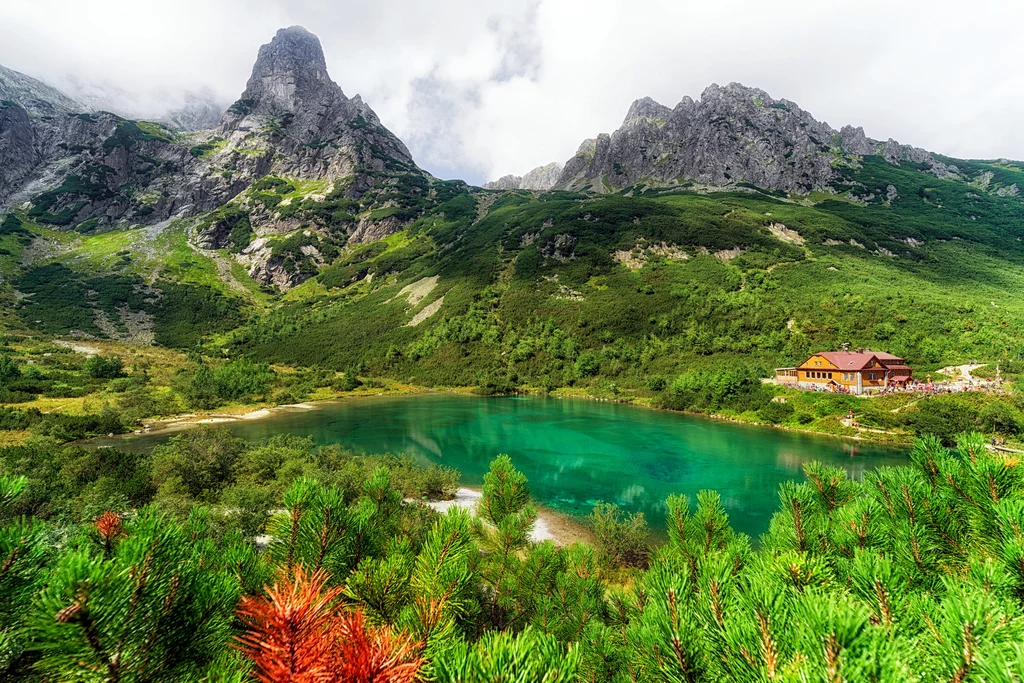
(576, 452)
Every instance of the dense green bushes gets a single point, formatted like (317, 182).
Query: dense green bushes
(712, 390)
(187, 313)
(623, 542)
(913, 574)
(205, 387)
(103, 367)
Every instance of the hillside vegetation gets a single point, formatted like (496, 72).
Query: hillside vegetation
(621, 295)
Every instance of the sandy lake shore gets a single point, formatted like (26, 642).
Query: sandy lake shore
(551, 525)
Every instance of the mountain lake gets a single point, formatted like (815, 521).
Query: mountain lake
(575, 452)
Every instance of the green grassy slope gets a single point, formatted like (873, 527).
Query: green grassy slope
(534, 286)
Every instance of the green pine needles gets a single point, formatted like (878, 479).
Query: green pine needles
(913, 573)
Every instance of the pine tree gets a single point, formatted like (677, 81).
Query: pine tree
(158, 607)
(26, 549)
(299, 633)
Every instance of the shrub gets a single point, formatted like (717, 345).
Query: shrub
(348, 382)
(103, 367)
(942, 418)
(711, 390)
(774, 412)
(243, 380)
(273, 184)
(622, 541)
(657, 384)
(999, 417)
(199, 388)
(439, 482)
(587, 364)
(9, 370)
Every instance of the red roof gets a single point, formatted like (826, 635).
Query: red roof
(849, 360)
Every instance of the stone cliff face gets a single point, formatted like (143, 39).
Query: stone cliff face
(69, 166)
(18, 153)
(732, 134)
(101, 168)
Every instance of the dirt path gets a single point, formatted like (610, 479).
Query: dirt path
(963, 370)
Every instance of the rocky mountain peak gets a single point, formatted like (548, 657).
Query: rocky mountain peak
(290, 73)
(291, 107)
(646, 110)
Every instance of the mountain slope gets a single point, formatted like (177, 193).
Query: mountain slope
(37, 98)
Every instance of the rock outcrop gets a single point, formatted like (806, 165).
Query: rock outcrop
(540, 179)
(294, 121)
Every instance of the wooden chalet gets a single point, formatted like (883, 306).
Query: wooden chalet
(855, 372)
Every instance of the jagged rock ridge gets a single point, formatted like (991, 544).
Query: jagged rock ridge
(733, 134)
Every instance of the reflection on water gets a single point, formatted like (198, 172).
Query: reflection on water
(578, 452)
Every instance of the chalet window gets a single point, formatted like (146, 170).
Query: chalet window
(830, 375)
(817, 363)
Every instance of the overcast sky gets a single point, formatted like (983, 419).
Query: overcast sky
(480, 88)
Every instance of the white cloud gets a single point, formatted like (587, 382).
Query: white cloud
(479, 88)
